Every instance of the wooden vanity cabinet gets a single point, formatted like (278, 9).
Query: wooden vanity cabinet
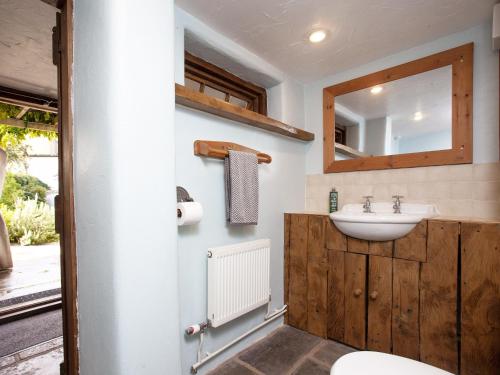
(414, 297)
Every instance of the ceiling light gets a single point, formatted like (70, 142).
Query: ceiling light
(418, 116)
(376, 90)
(317, 36)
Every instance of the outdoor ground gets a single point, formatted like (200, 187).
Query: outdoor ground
(36, 269)
(41, 359)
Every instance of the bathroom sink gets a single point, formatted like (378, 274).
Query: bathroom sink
(382, 224)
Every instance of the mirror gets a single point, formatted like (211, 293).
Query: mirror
(414, 114)
(411, 114)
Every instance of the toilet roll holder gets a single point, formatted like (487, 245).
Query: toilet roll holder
(182, 196)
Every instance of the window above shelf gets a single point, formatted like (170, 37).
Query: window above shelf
(205, 103)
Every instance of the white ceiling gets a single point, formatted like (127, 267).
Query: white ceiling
(429, 93)
(360, 30)
(26, 46)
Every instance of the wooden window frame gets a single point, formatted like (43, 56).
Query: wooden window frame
(461, 61)
(211, 75)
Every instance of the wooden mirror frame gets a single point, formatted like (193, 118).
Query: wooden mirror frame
(461, 61)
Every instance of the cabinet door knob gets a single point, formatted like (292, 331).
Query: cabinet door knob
(373, 295)
(357, 292)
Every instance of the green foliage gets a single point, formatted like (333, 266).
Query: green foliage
(32, 187)
(11, 138)
(11, 191)
(23, 187)
(30, 222)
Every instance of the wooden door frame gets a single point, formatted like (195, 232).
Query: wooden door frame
(65, 214)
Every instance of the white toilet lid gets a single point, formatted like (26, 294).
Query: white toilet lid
(375, 363)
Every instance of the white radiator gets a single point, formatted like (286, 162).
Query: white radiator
(238, 280)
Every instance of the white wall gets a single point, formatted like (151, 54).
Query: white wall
(125, 188)
(285, 95)
(485, 92)
(376, 135)
(282, 185)
(426, 142)
(359, 132)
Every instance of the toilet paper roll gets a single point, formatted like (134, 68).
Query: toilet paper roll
(190, 213)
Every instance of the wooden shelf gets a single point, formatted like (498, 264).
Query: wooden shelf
(349, 151)
(205, 103)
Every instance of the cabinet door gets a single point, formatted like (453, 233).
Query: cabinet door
(405, 303)
(355, 300)
(480, 349)
(379, 303)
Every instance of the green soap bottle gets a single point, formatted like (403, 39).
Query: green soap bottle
(334, 200)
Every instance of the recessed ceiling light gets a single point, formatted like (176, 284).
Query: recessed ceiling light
(418, 116)
(376, 90)
(317, 36)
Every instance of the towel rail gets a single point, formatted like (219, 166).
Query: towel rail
(220, 150)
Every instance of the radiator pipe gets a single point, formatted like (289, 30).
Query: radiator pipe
(197, 365)
(275, 312)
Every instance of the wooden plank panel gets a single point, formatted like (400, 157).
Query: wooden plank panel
(336, 300)
(438, 297)
(379, 304)
(355, 300)
(286, 260)
(405, 304)
(357, 246)
(317, 277)
(382, 248)
(297, 296)
(414, 245)
(480, 329)
(335, 239)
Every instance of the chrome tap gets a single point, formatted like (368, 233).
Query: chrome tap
(397, 203)
(367, 206)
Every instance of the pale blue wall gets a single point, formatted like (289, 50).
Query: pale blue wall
(282, 189)
(128, 310)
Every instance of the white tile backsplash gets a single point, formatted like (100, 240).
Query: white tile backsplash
(469, 190)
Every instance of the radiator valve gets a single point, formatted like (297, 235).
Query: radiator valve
(196, 328)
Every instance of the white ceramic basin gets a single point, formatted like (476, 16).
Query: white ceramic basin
(382, 224)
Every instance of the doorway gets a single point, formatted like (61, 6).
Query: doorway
(38, 264)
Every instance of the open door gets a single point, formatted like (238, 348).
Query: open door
(65, 218)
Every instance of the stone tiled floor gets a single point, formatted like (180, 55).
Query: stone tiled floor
(286, 351)
(41, 359)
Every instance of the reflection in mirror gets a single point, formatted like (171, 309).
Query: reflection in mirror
(412, 114)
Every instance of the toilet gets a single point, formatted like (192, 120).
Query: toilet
(375, 363)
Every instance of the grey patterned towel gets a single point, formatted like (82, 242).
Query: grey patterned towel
(242, 188)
